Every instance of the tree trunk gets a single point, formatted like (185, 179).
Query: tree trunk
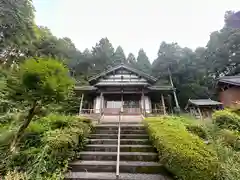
(22, 128)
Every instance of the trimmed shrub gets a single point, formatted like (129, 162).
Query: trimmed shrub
(183, 154)
(230, 138)
(197, 130)
(226, 119)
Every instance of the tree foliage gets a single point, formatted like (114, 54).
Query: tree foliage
(119, 56)
(194, 72)
(39, 82)
(17, 28)
(143, 62)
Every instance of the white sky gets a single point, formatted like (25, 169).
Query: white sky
(134, 24)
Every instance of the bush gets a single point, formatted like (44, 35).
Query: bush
(15, 176)
(46, 146)
(197, 130)
(182, 153)
(230, 161)
(230, 138)
(226, 119)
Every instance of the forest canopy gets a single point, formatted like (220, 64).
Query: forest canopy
(194, 72)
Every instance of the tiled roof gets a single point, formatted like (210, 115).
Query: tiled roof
(203, 102)
(143, 74)
(234, 80)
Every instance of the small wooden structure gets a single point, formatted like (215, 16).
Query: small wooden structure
(202, 108)
(228, 88)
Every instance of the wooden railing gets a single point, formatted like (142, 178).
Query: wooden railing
(115, 111)
(158, 111)
(89, 111)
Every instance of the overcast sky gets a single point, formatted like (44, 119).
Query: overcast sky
(134, 24)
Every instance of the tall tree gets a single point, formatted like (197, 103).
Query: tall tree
(187, 68)
(223, 50)
(131, 60)
(102, 55)
(119, 56)
(83, 66)
(143, 62)
(17, 28)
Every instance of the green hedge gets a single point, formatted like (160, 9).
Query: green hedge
(230, 138)
(183, 154)
(197, 130)
(226, 119)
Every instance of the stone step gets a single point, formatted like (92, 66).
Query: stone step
(112, 156)
(93, 166)
(134, 142)
(138, 156)
(112, 176)
(124, 167)
(102, 131)
(123, 148)
(123, 141)
(116, 122)
(123, 127)
(122, 136)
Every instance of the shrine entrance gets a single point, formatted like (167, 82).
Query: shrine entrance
(131, 103)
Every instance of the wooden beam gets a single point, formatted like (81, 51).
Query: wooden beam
(81, 103)
(163, 104)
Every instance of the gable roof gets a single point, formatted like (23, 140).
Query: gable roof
(233, 80)
(124, 66)
(202, 102)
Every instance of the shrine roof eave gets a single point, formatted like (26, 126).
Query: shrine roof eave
(85, 88)
(161, 88)
(233, 80)
(150, 88)
(121, 84)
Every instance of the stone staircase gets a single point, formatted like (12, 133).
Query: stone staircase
(138, 159)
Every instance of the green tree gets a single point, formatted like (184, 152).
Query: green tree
(17, 28)
(143, 62)
(119, 56)
(223, 48)
(102, 56)
(131, 60)
(188, 69)
(40, 82)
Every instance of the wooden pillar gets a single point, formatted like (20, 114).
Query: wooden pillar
(122, 99)
(200, 114)
(163, 104)
(174, 91)
(175, 98)
(81, 103)
(143, 101)
(101, 103)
